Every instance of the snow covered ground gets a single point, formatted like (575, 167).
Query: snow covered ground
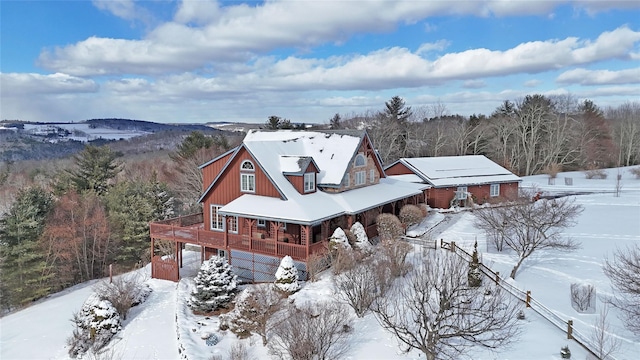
(162, 325)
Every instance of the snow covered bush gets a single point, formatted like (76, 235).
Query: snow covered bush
(339, 240)
(215, 286)
(474, 276)
(410, 215)
(287, 276)
(252, 312)
(96, 323)
(393, 254)
(124, 292)
(362, 241)
(389, 227)
(635, 172)
(583, 297)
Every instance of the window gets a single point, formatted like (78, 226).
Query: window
(346, 180)
(372, 176)
(233, 224)
(495, 190)
(247, 166)
(217, 220)
(309, 182)
(461, 193)
(360, 160)
(222, 253)
(247, 182)
(262, 223)
(361, 177)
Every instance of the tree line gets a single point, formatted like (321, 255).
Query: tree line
(535, 134)
(66, 226)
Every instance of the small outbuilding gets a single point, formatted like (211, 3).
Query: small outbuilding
(456, 180)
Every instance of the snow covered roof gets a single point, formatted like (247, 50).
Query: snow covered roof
(294, 164)
(311, 209)
(331, 150)
(444, 171)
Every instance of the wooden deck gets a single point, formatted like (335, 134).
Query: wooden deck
(188, 230)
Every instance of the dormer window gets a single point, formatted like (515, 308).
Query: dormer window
(360, 160)
(309, 182)
(247, 177)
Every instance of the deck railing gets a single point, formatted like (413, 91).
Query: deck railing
(188, 229)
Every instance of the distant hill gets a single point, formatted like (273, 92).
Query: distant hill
(20, 140)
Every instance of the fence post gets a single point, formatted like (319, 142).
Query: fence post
(453, 246)
(111, 273)
(528, 298)
(570, 329)
(497, 277)
(441, 243)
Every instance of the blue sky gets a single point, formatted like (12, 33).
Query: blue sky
(206, 60)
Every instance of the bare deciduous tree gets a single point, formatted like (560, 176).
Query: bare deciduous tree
(311, 332)
(606, 343)
(528, 226)
(624, 273)
(583, 296)
(360, 285)
(437, 313)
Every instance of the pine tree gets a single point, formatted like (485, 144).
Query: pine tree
(474, 274)
(95, 167)
(287, 275)
(215, 286)
(22, 262)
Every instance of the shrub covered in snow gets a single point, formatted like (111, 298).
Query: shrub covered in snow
(124, 292)
(339, 240)
(287, 276)
(389, 227)
(362, 240)
(252, 312)
(96, 323)
(410, 215)
(583, 297)
(474, 276)
(215, 286)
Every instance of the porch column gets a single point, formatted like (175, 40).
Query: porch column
(324, 231)
(349, 221)
(305, 231)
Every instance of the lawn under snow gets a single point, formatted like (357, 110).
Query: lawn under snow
(163, 324)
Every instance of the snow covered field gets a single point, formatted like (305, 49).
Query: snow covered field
(156, 329)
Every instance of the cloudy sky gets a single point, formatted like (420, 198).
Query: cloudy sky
(207, 60)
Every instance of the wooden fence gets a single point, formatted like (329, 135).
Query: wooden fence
(164, 268)
(530, 302)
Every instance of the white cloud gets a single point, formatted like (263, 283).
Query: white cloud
(426, 48)
(474, 84)
(532, 83)
(599, 77)
(14, 84)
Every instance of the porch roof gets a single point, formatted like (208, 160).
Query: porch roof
(312, 209)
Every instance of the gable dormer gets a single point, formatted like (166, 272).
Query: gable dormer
(301, 172)
(364, 168)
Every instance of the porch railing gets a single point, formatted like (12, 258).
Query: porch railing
(187, 229)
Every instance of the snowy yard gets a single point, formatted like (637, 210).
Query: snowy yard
(163, 324)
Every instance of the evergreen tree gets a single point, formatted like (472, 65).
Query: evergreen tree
(215, 286)
(22, 261)
(474, 274)
(397, 111)
(131, 206)
(287, 276)
(192, 144)
(94, 168)
(334, 122)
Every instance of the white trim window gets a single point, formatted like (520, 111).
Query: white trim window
(495, 190)
(309, 182)
(262, 223)
(372, 176)
(461, 193)
(361, 177)
(360, 160)
(247, 180)
(217, 220)
(233, 224)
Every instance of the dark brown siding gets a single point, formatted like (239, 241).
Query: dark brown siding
(297, 181)
(398, 169)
